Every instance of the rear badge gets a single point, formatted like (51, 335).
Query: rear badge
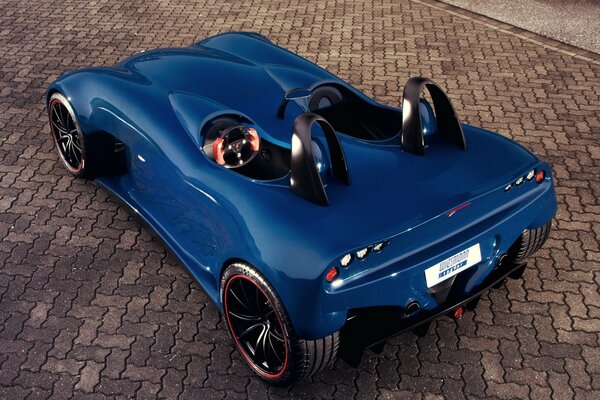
(507, 187)
(452, 265)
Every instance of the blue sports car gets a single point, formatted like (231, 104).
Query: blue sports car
(319, 221)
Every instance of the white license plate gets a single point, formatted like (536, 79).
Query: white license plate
(452, 265)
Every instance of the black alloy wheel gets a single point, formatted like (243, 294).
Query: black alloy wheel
(263, 333)
(66, 134)
(255, 326)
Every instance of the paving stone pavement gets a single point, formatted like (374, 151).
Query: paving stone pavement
(92, 306)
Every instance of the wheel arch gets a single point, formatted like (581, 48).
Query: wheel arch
(240, 260)
(269, 275)
(105, 145)
(49, 94)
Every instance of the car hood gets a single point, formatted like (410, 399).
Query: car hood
(201, 81)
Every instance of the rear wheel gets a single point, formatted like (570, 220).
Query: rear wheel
(530, 241)
(263, 334)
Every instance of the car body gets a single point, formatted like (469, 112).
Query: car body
(425, 199)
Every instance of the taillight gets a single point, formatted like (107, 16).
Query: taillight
(362, 253)
(540, 176)
(346, 260)
(331, 274)
(379, 246)
(531, 174)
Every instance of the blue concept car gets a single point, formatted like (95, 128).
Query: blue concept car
(319, 221)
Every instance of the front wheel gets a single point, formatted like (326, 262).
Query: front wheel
(68, 137)
(263, 334)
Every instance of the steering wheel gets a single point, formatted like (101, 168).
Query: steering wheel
(236, 146)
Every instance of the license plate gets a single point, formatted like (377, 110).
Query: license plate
(452, 265)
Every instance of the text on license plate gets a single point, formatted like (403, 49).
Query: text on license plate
(452, 265)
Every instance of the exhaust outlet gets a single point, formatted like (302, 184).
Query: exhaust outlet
(411, 308)
(502, 260)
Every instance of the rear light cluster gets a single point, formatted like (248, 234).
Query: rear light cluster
(332, 274)
(534, 174)
(540, 176)
(360, 255)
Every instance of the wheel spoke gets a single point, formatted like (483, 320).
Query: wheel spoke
(258, 298)
(69, 151)
(275, 335)
(59, 127)
(250, 329)
(263, 347)
(76, 154)
(77, 147)
(258, 348)
(58, 117)
(65, 115)
(75, 135)
(243, 302)
(71, 124)
(273, 350)
(73, 152)
(245, 294)
(244, 317)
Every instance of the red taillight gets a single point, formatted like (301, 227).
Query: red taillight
(331, 274)
(540, 176)
(458, 313)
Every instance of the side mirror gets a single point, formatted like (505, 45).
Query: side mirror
(292, 94)
(296, 94)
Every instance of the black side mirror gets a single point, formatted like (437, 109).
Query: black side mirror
(292, 94)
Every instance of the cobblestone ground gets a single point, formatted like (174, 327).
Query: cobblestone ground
(93, 306)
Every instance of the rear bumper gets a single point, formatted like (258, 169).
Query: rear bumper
(370, 327)
(395, 277)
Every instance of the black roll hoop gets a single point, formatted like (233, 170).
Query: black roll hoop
(305, 179)
(447, 121)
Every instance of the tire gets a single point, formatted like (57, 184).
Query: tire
(291, 358)
(529, 242)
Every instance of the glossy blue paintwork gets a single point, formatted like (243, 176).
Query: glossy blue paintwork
(157, 102)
